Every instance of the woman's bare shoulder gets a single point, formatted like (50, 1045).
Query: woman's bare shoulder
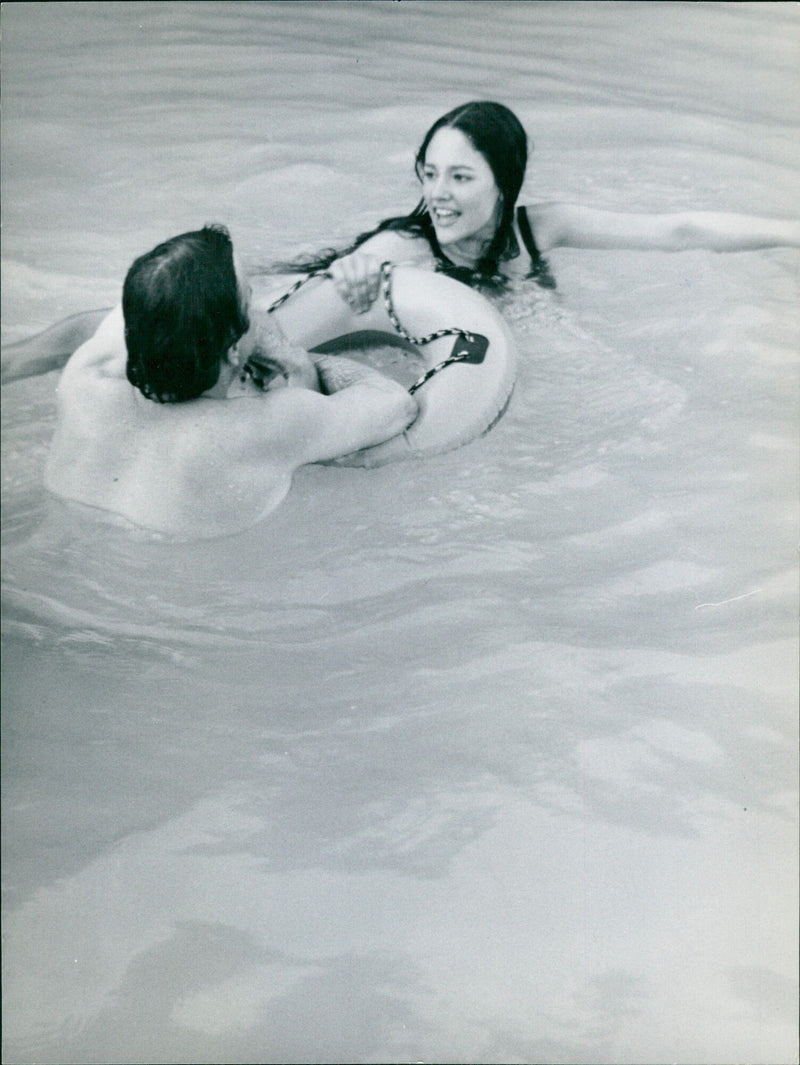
(397, 246)
(550, 221)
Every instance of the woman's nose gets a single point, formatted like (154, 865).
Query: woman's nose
(440, 187)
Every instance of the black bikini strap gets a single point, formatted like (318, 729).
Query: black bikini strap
(526, 233)
(540, 270)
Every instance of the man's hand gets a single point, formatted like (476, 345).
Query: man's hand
(271, 359)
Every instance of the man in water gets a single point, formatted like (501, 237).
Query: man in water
(157, 423)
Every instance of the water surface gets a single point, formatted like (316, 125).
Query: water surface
(490, 757)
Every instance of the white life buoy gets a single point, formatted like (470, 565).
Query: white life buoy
(470, 359)
(467, 348)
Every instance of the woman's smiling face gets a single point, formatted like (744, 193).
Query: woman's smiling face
(459, 189)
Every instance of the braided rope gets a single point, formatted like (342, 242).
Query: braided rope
(386, 288)
(386, 291)
(434, 370)
(279, 302)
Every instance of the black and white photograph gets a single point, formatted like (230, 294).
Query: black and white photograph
(400, 424)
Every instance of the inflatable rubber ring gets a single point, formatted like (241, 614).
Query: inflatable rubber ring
(458, 404)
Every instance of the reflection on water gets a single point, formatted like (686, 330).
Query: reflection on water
(490, 757)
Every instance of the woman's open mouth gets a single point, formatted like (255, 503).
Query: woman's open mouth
(443, 216)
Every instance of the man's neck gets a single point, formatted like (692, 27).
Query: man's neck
(227, 373)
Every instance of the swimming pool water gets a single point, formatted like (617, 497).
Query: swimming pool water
(490, 757)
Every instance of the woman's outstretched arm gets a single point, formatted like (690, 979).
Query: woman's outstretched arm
(50, 349)
(570, 226)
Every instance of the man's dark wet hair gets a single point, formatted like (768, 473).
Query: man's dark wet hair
(183, 311)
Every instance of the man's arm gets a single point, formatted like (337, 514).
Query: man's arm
(336, 373)
(359, 407)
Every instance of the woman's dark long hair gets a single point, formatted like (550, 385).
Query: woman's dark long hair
(495, 132)
(183, 311)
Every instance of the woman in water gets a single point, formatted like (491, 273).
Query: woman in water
(471, 166)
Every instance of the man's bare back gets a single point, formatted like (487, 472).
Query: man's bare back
(217, 463)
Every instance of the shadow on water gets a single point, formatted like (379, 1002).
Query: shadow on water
(239, 1000)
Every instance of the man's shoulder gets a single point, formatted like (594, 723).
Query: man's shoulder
(102, 354)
